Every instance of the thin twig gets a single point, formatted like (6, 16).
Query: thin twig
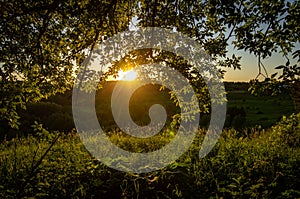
(35, 167)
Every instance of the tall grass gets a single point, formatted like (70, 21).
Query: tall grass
(254, 164)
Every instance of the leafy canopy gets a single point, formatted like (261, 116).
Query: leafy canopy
(43, 42)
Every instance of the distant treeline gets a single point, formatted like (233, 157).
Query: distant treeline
(236, 86)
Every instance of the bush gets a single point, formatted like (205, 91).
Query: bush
(59, 121)
(287, 130)
(236, 117)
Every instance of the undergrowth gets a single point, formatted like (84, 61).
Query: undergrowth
(259, 164)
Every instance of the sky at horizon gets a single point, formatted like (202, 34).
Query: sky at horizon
(249, 65)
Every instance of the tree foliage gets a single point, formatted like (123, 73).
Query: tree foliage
(43, 42)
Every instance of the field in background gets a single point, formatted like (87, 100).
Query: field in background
(261, 110)
(243, 110)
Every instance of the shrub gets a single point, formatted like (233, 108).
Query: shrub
(59, 121)
(236, 117)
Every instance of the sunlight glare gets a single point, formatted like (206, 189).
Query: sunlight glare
(129, 75)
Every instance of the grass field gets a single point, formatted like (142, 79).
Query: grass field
(261, 110)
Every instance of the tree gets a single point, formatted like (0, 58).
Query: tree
(42, 43)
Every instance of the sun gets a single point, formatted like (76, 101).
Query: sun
(129, 75)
